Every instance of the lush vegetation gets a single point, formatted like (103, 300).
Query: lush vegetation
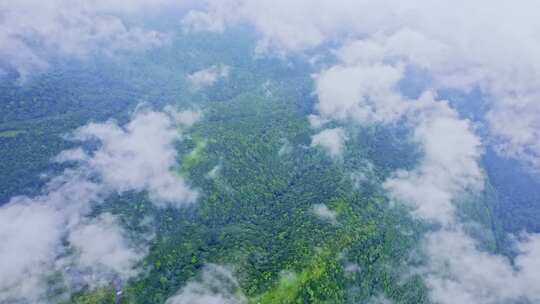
(256, 213)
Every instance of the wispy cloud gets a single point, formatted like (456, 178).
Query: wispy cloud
(102, 251)
(216, 285)
(324, 213)
(331, 140)
(207, 77)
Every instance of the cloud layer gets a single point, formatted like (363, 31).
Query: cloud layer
(32, 32)
(52, 232)
(459, 272)
(137, 156)
(449, 167)
(458, 48)
(102, 251)
(448, 173)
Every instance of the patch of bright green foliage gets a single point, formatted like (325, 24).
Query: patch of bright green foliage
(98, 296)
(194, 157)
(11, 133)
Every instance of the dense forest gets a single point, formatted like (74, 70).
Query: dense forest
(258, 210)
(290, 223)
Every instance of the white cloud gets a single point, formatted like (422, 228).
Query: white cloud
(460, 273)
(364, 92)
(331, 140)
(30, 236)
(449, 165)
(284, 25)
(364, 174)
(138, 156)
(186, 118)
(31, 32)
(102, 250)
(207, 77)
(516, 127)
(324, 213)
(34, 230)
(316, 121)
(217, 285)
